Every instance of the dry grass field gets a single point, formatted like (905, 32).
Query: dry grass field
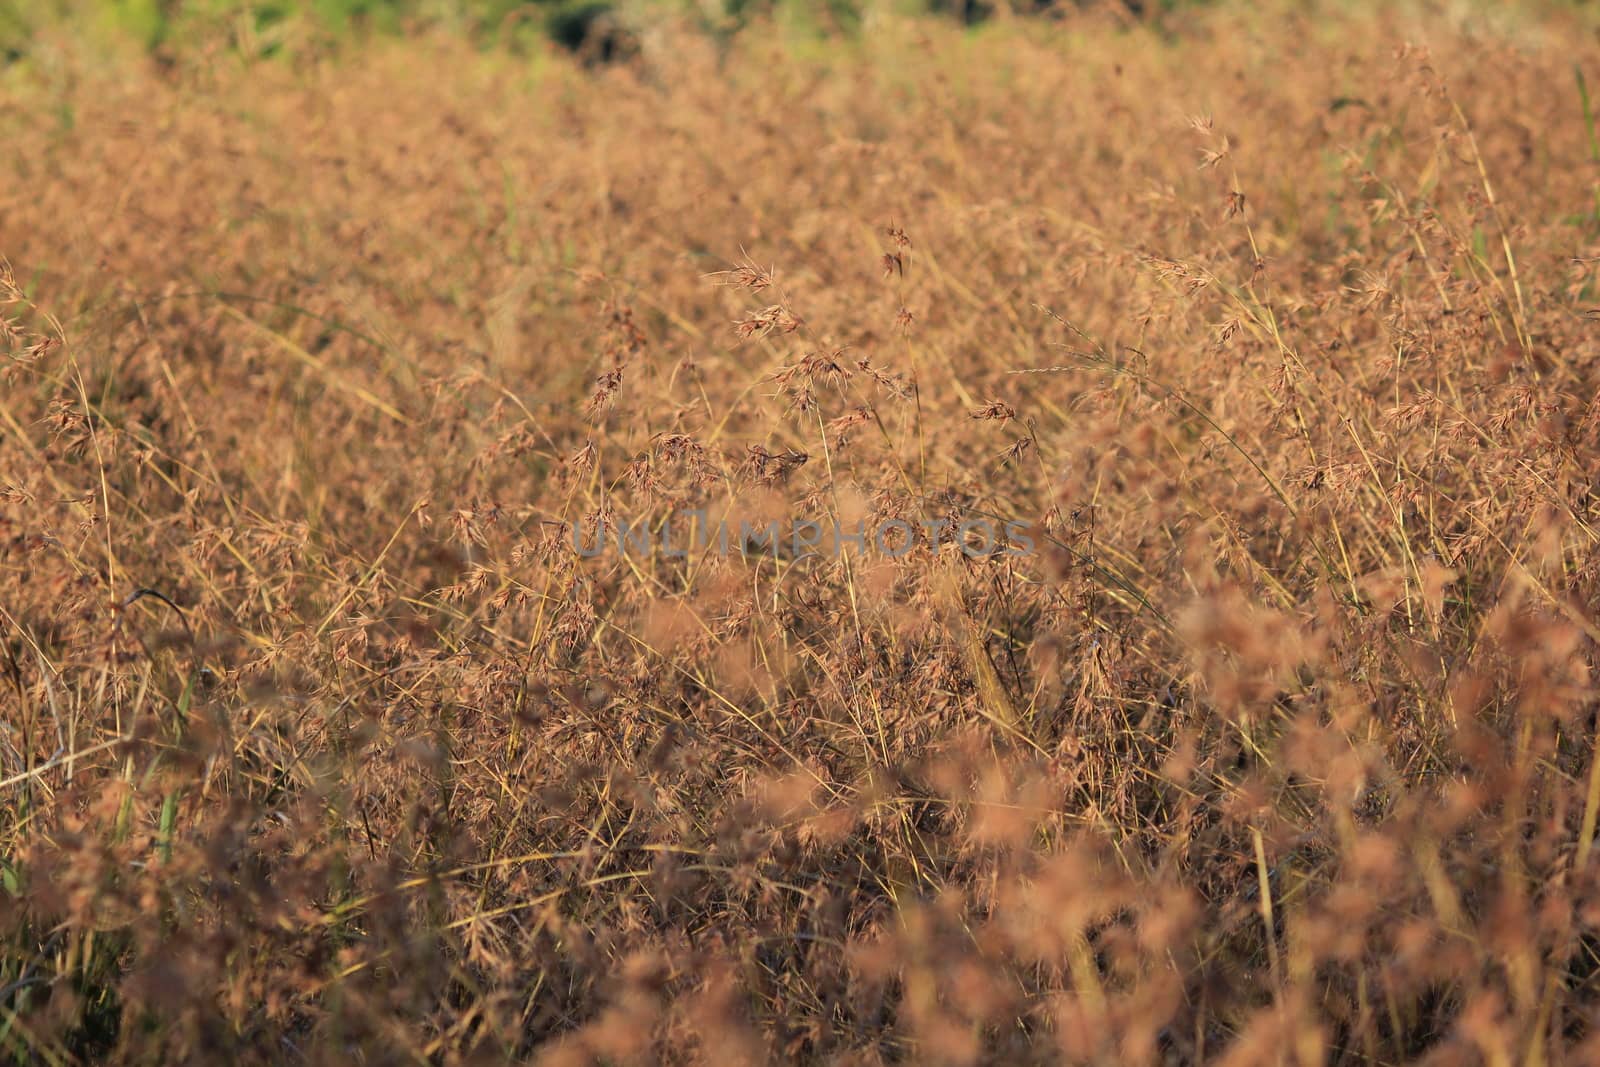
(321, 741)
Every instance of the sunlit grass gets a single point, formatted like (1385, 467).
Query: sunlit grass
(319, 740)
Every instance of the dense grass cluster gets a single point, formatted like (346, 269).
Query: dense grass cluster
(320, 742)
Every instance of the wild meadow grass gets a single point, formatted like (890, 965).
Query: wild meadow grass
(320, 743)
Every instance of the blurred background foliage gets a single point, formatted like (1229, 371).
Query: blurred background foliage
(603, 29)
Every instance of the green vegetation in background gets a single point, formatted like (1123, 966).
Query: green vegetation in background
(596, 26)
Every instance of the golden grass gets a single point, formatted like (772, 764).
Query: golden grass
(320, 741)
